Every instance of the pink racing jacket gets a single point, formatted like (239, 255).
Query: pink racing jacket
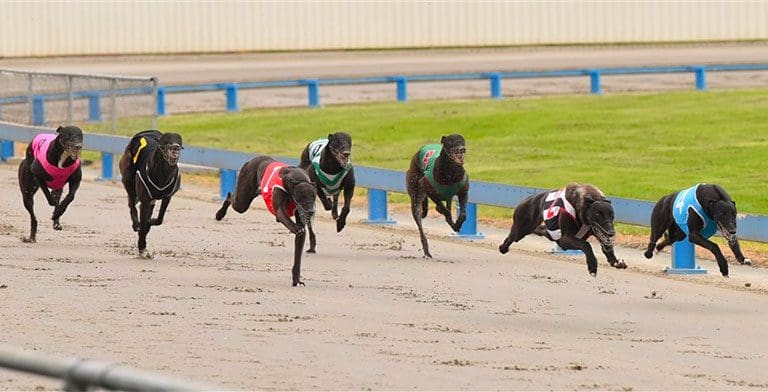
(40, 145)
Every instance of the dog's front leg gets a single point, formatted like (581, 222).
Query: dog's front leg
(571, 242)
(160, 214)
(73, 184)
(463, 198)
(612, 260)
(698, 239)
(349, 192)
(298, 247)
(144, 219)
(444, 209)
(736, 248)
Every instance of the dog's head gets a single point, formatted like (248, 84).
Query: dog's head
(455, 147)
(302, 191)
(340, 145)
(170, 145)
(600, 217)
(71, 140)
(724, 214)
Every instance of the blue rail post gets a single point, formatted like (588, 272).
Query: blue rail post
(38, 110)
(6, 150)
(468, 230)
(231, 91)
(94, 108)
(594, 81)
(701, 78)
(684, 259)
(377, 207)
(161, 101)
(402, 88)
(107, 164)
(313, 90)
(228, 180)
(495, 79)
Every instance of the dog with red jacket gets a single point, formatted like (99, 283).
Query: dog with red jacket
(287, 191)
(51, 161)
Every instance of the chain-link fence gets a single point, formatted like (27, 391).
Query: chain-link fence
(96, 103)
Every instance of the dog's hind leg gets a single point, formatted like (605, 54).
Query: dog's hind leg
(417, 201)
(523, 223)
(661, 221)
(424, 208)
(28, 189)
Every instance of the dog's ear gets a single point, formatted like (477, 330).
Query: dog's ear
(442, 140)
(588, 200)
(607, 201)
(330, 135)
(734, 202)
(59, 129)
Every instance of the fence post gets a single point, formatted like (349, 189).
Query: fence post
(6, 150)
(377, 207)
(38, 110)
(701, 78)
(495, 79)
(161, 101)
(106, 166)
(94, 107)
(468, 230)
(402, 88)
(594, 81)
(231, 91)
(228, 182)
(684, 259)
(313, 90)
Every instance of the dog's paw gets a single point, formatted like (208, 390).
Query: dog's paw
(620, 265)
(503, 249)
(310, 250)
(145, 254)
(30, 240)
(747, 262)
(648, 254)
(56, 226)
(298, 283)
(593, 274)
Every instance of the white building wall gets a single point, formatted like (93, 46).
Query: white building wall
(122, 27)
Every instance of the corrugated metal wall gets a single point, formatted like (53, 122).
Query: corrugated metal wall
(112, 27)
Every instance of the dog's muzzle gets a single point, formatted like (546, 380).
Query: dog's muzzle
(171, 153)
(458, 155)
(305, 214)
(727, 234)
(341, 156)
(605, 237)
(73, 149)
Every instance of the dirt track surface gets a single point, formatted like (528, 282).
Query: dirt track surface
(196, 69)
(216, 305)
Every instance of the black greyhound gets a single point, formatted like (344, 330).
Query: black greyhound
(150, 171)
(287, 191)
(437, 172)
(697, 212)
(570, 216)
(330, 169)
(51, 160)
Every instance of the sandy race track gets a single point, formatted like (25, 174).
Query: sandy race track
(216, 306)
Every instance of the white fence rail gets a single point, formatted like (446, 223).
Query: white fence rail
(48, 28)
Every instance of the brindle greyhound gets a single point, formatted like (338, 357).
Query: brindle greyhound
(150, 171)
(698, 213)
(50, 162)
(287, 191)
(571, 215)
(330, 169)
(437, 172)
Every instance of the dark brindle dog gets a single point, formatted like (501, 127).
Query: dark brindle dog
(150, 171)
(570, 215)
(51, 161)
(287, 191)
(437, 172)
(698, 213)
(330, 169)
